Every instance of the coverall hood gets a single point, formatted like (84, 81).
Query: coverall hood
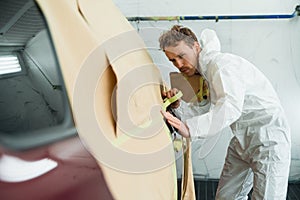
(209, 43)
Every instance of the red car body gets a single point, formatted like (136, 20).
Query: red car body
(76, 177)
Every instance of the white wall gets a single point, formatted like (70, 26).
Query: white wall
(273, 45)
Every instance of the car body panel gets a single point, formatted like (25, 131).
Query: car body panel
(77, 175)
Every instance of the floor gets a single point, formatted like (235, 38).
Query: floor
(206, 189)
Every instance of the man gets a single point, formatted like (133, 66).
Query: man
(241, 97)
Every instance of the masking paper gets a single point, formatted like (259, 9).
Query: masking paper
(114, 91)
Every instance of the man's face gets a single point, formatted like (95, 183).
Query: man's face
(184, 57)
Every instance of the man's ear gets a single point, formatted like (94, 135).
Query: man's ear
(197, 46)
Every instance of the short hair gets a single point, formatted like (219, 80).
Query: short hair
(176, 34)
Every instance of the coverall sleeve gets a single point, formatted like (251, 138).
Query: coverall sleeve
(227, 97)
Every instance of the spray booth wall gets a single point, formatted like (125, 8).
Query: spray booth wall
(273, 45)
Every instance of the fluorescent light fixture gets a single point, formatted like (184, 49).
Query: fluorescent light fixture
(9, 64)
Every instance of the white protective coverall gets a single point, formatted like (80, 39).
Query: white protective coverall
(243, 98)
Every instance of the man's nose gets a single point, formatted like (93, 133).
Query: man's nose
(179, 63)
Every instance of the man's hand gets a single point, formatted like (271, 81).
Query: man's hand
(170, 94)
(177, 123)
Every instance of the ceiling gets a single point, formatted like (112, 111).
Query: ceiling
(20, 20)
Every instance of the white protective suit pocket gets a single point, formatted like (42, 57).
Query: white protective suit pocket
(274, 146)
(276, 135)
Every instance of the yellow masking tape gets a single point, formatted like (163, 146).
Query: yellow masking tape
(171, 100)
